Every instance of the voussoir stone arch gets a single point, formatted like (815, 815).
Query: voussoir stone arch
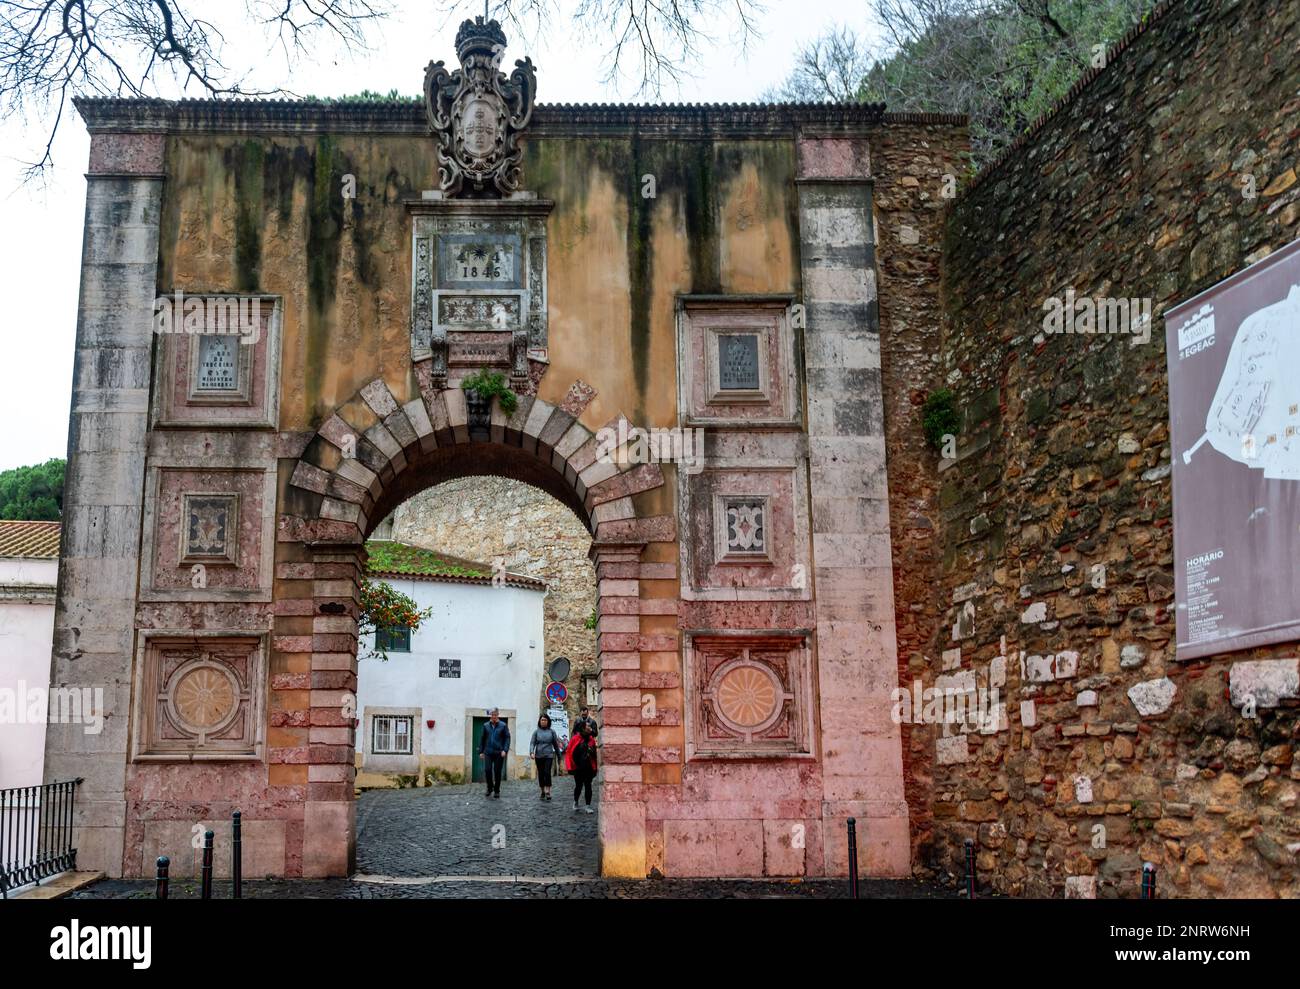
(374, 451)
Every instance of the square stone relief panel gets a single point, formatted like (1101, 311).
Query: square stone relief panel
(208, 535)
(199, 697)
(736, 362)
(744, 536)
(748, 695)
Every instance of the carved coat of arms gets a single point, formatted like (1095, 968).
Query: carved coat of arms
(477, 113)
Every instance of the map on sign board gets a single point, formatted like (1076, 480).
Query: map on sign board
(1234, 410)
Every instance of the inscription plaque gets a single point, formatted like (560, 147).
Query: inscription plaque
(484, 260)
(449, 669)
(218, 364)
(738, 362)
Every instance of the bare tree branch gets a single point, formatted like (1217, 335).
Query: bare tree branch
(51, 49)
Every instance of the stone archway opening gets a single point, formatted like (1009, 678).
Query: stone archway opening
(370, 457)
(504, 570)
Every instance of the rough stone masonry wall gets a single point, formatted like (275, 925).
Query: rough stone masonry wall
(486, 518)
(915, 167)
(1134, 189)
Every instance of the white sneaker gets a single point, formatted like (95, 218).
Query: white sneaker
(589, 810)
(575, 808)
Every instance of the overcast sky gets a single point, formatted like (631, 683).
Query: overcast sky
(40, 237)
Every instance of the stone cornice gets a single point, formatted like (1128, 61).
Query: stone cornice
(684, 120)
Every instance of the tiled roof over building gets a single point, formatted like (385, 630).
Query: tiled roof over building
(35, 540)
(394, 559)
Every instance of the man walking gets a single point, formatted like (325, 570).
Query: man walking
(585, 718)
(492, 748)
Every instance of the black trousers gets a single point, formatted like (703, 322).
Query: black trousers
(582, 781)
(544, 770)
(492, 771)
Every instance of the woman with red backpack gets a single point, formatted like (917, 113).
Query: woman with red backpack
(580, 760)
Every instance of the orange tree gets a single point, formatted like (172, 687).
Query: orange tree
(383, 606)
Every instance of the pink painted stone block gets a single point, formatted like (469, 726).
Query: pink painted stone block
(654, 529)
(621, 715)
(578, 398)
(619, 678)
(834, 158)
(785, 845)
(713, 848)
(622, 835)
(620, 697)
(622, 773)
(642, 477)
(328, 840)
(619, 660)
(127, 154)
(625, 734)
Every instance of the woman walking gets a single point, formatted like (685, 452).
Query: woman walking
(545, 748)
(580, 760)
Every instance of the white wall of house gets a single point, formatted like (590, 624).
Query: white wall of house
(479, 625)
(26, 635)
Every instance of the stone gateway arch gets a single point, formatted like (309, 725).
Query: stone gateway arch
(279, 301)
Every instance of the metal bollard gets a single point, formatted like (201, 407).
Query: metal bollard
(206, 871)
(160, 886)
(1149, 881)
(970, 869)
(236, 858)
(853, 858)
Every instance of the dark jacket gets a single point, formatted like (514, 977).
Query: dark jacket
(496, 738)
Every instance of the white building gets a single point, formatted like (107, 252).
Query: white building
(421, 711)
(29, 573)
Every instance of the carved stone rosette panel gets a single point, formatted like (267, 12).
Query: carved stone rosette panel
(199, 697)
(748, 696)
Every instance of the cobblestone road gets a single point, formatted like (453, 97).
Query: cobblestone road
(456, 831)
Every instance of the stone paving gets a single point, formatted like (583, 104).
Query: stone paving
(438, 843)
(456, 831)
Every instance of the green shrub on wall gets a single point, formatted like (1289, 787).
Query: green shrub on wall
(939, 417)
(490, 384)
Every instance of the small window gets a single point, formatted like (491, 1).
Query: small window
(391, 735)
(393, 638)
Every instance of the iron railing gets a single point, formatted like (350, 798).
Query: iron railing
(36, 833)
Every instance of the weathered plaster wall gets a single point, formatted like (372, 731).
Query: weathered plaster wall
(1135, 189)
